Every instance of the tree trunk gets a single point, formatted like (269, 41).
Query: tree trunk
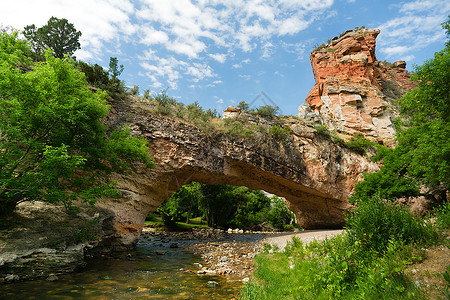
(188, 215)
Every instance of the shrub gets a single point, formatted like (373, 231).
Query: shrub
(375, 222)
(359, 144)
(443, 216)
(243, 105)
(134, 90)
(147, 94)
(235, 129)
(163, 99)
(95, 74)
(279, 215)
(279, 133)
(268, 111)
(323, 131)
(164, 103)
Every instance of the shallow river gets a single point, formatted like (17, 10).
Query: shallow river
(146, 276)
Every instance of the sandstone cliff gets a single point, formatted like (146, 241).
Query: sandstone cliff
(354, 92)
(315, 175)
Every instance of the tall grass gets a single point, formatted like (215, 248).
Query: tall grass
(365, 262)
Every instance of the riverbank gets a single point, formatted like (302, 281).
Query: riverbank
(225, 253)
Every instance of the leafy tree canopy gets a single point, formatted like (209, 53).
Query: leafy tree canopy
(58, 34)
(422, 155)
(53, 141)
(226, 206)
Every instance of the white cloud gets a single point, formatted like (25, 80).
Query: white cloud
(409, 58)
(199, 71)
(192, 24)
(177, 30)
(99, 21)
(173, 69)
(239, 65)
(220, 101)
(164, 68)
(299, 49)
(219, 57)
(152, 36)
(418, 26)
(246, 77)
(267, 50)
(395, 51)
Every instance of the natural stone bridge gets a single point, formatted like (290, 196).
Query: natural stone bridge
(314, 175)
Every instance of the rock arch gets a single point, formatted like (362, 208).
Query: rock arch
(315, 175)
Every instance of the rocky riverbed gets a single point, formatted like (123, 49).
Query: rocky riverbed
(225, 252)
(222, 253)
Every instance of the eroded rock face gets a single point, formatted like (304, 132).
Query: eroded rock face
(353, 91)
(41, 239)
(315, 175)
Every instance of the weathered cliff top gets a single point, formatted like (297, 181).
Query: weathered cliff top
(354, 92)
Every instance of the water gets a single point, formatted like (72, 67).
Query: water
(146, 276)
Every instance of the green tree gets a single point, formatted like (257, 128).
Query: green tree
(147, 94)
(58, 34)
(243, 105)
(115, 84)
(268, 111)
(53, 141)
(183, 201)
(114, 69)
(422, 156)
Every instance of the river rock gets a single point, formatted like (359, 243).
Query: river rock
(207, 272)
(213, 283)
(11, 277)
(52, 277)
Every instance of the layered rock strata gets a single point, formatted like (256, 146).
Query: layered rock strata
(315, 175)
(354, 92)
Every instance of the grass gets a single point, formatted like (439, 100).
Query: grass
(331, 270)
(354, 265)
(157, 222)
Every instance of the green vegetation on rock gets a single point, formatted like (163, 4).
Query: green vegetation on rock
(422, 155)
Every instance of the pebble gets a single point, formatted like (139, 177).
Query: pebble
(213, 283)
(52, 277)
(207, 272)
(221, 253)
(11, 277)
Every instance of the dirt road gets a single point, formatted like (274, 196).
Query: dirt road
(281, 239)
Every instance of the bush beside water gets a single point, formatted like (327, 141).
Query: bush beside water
(366, 262)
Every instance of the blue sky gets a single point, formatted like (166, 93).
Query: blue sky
(220, 52)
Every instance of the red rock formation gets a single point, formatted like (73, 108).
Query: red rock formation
(353, 91)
